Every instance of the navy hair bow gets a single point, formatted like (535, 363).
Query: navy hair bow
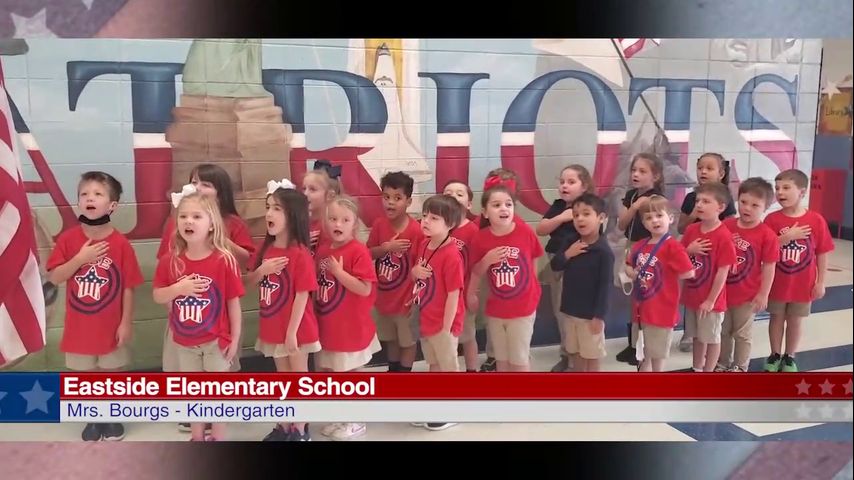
(334, 171)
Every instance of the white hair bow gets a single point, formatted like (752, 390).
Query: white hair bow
(185, 190)
(273, 185)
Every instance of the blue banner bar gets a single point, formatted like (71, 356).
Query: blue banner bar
(29, 397)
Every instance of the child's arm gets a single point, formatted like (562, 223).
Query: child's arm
(450, 310)
(358, 286)
(235, 320)
(240, 254)
(818, 289)
(125, 331)
(684, 221)
(760, 301)
(603, 291)
(268, 266)
(189, 285)
(395, 245)
(472, 302)
(88, 253)
(297, 312)
(717, 286)
(627, 214)
(548, 225)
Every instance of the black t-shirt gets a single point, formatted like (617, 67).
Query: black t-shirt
(691, 199)
(564, 231)
(636, 231)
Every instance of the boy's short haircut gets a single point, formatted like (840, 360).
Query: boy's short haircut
(468, 188)
(113, 186)
(656, 203)
(758, 187)
(593, 201)
(399, 181)
(718, 190)
(446, 207)
(794, 175)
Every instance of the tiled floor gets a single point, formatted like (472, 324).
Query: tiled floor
(826, 345)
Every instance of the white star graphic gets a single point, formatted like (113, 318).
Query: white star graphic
(803, 387)
(35, 26)
(826, 411)
(848, 387)
(830, 89)
(88, 4)
(803, 411)
(826, 387)
(849, 410)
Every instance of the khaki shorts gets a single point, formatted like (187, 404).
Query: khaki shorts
(656, 341)
(277, 350)
(395, 328)
(789, 309)
(170, 355)
(347, 361)
(580, 341)
(469, 332)
(441, 350)
(511, 338)
(118, 358)
(206, 357)
(706, 329)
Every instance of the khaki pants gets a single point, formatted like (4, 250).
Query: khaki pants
(556, 287)
(736, 335)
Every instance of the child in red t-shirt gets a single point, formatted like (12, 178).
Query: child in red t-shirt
(712, 252)
(805, 242)
(749, 279)
(320, 185)
(505, 252)
(101, 269)
(656, 265)
(346, 290)
(201, 283)
(463, 235)
(389, 242)
(284, 273)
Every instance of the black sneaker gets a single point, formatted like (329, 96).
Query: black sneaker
(279, 434)
(628, 355)
(562, 365)
(297, 436)
(92, 432)
(436, 427)
(488, 365)
(185, 427)
(112, 432)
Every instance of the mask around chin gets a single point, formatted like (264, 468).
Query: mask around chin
(102, 220)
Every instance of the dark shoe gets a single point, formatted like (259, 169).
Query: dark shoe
(562, 365)
(436, 427)
(772, 363)
(488, 365)
(92, 432)
(789, 364)
(278, 434)
(112, 432)
(297, 436)
(628, 355)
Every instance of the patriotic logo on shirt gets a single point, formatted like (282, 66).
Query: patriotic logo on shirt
(744, 258)
(423, 290)
(392, 270)
(509, 279)
(464, 252)
(274, 292)
(650, 280)
(195, 316)
(329, 293)
(702, 271)
(98, 284)
(795, 255)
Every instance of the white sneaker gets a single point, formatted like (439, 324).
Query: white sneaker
(330, 429)
(418, 424)
(349, 431)
(436, 427)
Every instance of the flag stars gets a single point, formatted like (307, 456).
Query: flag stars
(826, 387)
(848, 387)
(803, 387)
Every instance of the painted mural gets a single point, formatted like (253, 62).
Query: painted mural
(146, 111)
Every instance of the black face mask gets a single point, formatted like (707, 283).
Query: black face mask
(94, 223)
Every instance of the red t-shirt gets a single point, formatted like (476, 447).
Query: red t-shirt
(722, 254)
(238, 233)
(753, 247)
(316, 227)
(344, 318)
(93, 296)
(394, 285)
(432, 293)
(463, 237)
(198, 320)
(656, 292)
(276, 296)
(513, 284)
(797, 269)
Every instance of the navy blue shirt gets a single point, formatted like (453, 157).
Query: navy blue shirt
(564, 231)
(587, 279)
(636, 231)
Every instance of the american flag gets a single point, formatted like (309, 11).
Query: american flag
(386, 267)
(505, 275)
(791, 252)
(631, 46)
(267, 289)
(89, 285)
(22, 310)
(191, 309)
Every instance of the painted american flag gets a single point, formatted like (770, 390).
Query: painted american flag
(22, 309)
(631, 46)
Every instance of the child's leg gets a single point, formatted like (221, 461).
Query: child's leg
(727, 339)
(556, 291)
(793, 334)
(657, 341)
(469, 340)
(387, 335)
(709, 332)
(657, 364)
(212, 360)
(297, 362)
(742, 333)
(698, 350)
(497, 335)
(406, 340)
(776, 325)
(191, 359)
(519, 333)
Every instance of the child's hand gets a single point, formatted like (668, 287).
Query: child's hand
(640, 202)
(397, 245)
(596, 326)
(495, 255)
(335, 265)
(124, 334)
(760, 302)
(291, 344)
(565, 216)
(231, 350)
(631, 272)
(192, 285)
(313, 237)
(699, 246)
(705, 308)
(422, 272)
(798, 232)
(472, 302)
(272, 265)
(575, 249)
(818, 291)
(89, 252)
